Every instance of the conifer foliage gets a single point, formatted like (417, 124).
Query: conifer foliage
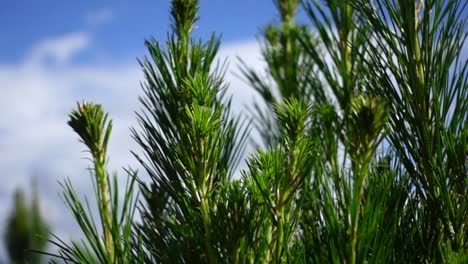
(191, 145)
(110, 239)
(26, 230)
(361, 156)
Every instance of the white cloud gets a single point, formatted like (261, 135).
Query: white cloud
(99, 17)
(249, 52)
(35, 140)
(58, 50)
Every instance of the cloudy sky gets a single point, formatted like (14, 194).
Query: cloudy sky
(53, 53)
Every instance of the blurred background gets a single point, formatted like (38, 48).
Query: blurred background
(54, 53)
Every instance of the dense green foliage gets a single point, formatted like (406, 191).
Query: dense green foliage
(26, 230)
(362, 149)
(190, 144)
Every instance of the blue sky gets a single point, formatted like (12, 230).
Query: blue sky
(118, 27)
(54, 53)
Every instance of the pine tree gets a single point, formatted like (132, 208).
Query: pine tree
(363, 160)
(18, 232)
(191, 146)
(112, 241)
(26, 230)
(425, 81)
